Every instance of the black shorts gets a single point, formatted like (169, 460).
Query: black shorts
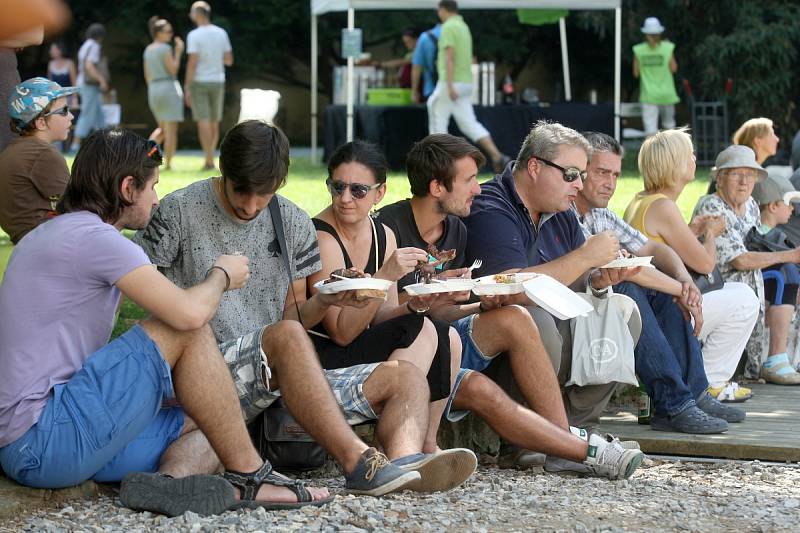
(376, 344)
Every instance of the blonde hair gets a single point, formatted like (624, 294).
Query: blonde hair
(751, 130)
(664, 158)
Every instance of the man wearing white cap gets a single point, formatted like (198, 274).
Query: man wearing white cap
(654, 64)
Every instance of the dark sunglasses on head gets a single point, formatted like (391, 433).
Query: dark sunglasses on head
(63, 111)
(154, 151)
(569, 174)
(358, 190)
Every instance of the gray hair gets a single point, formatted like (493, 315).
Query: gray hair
(544, 140)
(601, 142)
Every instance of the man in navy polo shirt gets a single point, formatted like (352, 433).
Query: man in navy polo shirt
(522, 221)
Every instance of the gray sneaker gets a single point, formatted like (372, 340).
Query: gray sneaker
(440, 471)
(375, 475)
(519, 458)
(712, 406)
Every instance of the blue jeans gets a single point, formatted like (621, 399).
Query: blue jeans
(668, 357)
(103, 423)
(91, 117)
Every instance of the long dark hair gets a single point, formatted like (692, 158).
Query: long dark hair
(104, 160)
(362, 152)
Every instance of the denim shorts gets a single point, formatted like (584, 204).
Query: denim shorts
(471, 356)
(249, 367)
(449, 413)
(102, 424)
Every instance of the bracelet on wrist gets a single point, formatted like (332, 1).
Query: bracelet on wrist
(416, 311)
(227, 276)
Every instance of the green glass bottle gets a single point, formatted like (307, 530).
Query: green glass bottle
(644, 405)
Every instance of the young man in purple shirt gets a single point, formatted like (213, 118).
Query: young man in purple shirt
(160, 397)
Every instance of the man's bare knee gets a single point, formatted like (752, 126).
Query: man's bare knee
(284, 338)
(480, 394)
(395, 378)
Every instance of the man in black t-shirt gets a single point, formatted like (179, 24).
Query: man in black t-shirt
(442, 170)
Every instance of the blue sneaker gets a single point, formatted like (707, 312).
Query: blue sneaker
(375, 475)
(713, 407)
(440, 471)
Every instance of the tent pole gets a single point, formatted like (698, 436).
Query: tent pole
(617, 69)
(350, 64)
(314, 95)
(562, 27)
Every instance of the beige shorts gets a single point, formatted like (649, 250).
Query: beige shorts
(207, 100)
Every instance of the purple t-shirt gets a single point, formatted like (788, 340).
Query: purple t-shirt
(57, 304)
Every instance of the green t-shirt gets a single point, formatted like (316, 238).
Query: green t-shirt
(455, 35)
(656, 83)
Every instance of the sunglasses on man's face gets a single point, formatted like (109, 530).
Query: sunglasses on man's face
(357, 190)
(63, 111)
(569, 174)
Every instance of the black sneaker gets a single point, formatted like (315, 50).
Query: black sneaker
(714, 407)
(690, 420)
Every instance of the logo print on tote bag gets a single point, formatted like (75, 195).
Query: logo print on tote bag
(604, 350)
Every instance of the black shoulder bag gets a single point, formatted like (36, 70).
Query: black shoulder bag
(282, 440)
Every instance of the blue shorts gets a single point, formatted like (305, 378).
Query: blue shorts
(471, 356)
(105, 422)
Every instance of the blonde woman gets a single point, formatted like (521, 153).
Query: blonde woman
(758, 134)
(667, 164)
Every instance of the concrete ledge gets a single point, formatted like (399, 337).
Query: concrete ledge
(15, 498)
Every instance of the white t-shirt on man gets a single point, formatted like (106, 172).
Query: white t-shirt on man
(210, 43)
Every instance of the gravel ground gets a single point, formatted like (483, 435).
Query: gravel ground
(661, 496)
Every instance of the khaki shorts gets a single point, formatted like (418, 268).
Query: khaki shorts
(207, 100)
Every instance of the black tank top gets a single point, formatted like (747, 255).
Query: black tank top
(377, 254)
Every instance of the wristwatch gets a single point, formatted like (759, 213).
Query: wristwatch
(419, 312)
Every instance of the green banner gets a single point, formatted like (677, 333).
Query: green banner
(539, 17)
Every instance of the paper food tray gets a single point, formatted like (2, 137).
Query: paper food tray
(450, 285)
(630, 262)
(352, 284)
(488, 286)
(555, 298)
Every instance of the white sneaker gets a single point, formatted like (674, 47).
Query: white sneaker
(610, 460)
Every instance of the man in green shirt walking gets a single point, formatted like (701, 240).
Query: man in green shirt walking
(654, 64)
(453, 93)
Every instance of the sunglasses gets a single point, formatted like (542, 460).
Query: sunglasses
(569, 174)
(63, 111)
(154, 151)
(357, 190)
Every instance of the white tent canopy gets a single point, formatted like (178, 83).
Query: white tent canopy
(320, 7)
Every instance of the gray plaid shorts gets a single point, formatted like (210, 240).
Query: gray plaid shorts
(249, 368)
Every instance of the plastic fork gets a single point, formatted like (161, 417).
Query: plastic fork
(476, 264)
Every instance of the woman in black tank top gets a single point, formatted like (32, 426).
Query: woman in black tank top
(382, 330)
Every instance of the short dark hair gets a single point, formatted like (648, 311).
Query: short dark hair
(104, 160)
(95, 31)
(449, 5)
(602, 142)
(411, 31)
(254, 157)
(433, 158)
(362, 152)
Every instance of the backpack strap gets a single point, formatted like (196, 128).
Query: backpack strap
(277, 223)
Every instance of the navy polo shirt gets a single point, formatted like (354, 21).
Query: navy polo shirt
(502, 234)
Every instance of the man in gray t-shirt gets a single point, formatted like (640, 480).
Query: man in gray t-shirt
(267, 350)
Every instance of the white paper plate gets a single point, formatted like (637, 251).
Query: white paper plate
(630, 262)
(555, 298)
(352, 284)
(450, 285)
(487, 286)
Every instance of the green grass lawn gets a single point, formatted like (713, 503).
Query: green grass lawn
(306, 187)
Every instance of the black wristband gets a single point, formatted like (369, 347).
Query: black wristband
(227, 276)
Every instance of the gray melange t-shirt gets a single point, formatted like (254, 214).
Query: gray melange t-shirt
(190, 229)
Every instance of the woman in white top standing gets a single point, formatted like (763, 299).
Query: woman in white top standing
(164, 94)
